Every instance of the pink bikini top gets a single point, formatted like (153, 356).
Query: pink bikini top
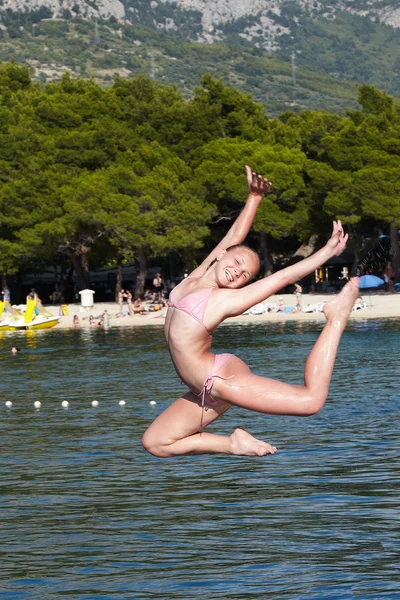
(193, 304)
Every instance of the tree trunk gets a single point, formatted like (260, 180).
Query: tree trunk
(172, 266)
(82, 275)
(67, 283)
(66, 277)
(141, 273)
(355, 267)
(118, 283)
(308, 248)
(395, 250)
(266, 255)
(85, 265)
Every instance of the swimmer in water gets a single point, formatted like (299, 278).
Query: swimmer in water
(213, 292)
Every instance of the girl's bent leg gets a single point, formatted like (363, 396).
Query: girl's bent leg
(176, 432)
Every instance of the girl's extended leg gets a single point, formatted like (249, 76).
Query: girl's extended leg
(274, 397)
(176, 432)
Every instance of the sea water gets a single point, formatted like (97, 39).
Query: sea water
(87, 513)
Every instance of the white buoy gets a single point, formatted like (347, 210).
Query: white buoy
(152, 402)
(95, 403)
(65, 403)
(122, 402)
(37, 404)
(8, 404)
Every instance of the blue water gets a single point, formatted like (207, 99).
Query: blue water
(86, 513)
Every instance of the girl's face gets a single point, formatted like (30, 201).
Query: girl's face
(237, 267)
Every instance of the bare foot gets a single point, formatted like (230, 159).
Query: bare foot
(244, 444)
(339, 308)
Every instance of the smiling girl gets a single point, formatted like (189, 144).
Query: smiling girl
(213, 292)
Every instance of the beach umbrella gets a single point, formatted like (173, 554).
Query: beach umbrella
(370, 281)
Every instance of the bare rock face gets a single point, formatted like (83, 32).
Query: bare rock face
(259, 23)
(222, 11)
(390, 16)
(104, 8)
(264, 28)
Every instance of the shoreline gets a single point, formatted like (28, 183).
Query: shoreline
(379, 306)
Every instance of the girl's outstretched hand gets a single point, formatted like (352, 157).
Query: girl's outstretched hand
(257, 184)
(338, 240)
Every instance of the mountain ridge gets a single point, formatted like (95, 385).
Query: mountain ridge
(298, 54)
(263, 14)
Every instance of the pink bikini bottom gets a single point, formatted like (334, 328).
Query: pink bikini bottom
(205, 394)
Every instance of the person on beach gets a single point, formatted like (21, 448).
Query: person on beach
(121, 297)
(389, 277)
(32, 295)
(6, 294)
(157, 288)
(298, 290)
(106, 320)
(129, 298)
(359, 303)
(281, 305)
(137, 306)
(213, 292)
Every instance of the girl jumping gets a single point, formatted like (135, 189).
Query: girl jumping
(213, 292)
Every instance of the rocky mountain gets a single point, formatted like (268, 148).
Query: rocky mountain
(262, 22)
(297, 53)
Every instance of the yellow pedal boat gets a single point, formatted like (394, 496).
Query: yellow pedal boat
(36, 316)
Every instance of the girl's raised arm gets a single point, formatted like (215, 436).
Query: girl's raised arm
(239, 300)
(258, 187)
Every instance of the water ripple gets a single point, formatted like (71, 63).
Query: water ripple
(86, 513)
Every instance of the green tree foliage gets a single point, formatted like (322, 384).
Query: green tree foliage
(221, 173)
(80, 164)
(353, 162)
(13, 77)
(136, 172)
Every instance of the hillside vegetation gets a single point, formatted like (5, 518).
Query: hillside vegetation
(317, 66)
